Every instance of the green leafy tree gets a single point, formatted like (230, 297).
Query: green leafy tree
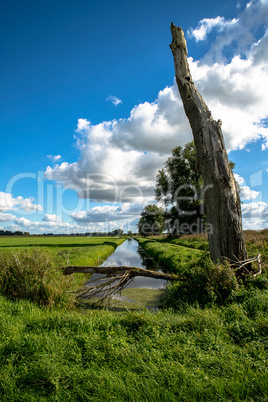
(116, 232)
(152, 221)
(179, 188)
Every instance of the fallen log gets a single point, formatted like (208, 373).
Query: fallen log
(133, 271)
(114, 281)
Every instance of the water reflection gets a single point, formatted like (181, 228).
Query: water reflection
(131, 254)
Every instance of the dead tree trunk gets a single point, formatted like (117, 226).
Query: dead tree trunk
(222, 201)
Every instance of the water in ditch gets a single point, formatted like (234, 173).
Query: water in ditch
(141, 291)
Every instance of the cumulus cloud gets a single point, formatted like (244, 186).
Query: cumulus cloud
(236, 93)
(23, 222)
(245, 192)
(207, 24)
(6, 217)
(115, 101)
(119, 159)
(44, 227)
(8, 203)
(54, 158)
(80, 223)
(51, 218)
(82, 125)
(255, 215)
(255, 210)
(239, 179)
(126, 211)
(238, 34)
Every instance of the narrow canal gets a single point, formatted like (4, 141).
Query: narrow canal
(130, 254)
(141, 291)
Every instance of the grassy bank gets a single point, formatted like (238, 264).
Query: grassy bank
(171, 256)
(200, 354)
(30, 266)
(205, 283)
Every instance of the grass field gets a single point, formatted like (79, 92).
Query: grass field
(217, 352)
(71, 250)
(206, 354)
(30, 266)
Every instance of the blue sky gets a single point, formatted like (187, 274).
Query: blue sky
(89, 111)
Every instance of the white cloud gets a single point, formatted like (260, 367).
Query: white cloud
(23, 222)
(8, 203)
(51, 218)
(115, 101)
(119, 159)
(236, 93)
(27, 204)
(44, 227)
(82, 125)
(255, 215)
(255, 210)
(207, 24)
(70, 227)
(54, 158)
(6, 217)
(238, 37)
(126, 211)
(245, 192)
(239, 179)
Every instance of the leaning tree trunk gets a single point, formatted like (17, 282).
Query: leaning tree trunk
(222, 201)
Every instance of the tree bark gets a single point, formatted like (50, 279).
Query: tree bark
(222, 201)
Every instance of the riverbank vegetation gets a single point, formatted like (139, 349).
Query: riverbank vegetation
(206, 283)
(200, 354)
(210, 350)
(30, 266)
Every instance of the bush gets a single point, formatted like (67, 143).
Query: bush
(206, 283)
(31, 275)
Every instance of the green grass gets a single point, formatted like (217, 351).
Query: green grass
(199, 355)
(76, 250)
(205, 283)
(214, 353)
(33, 272)
(172, 257)
(198, 242)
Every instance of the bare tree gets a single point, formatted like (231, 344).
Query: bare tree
(222, 201)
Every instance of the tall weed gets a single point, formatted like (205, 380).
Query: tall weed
(206, 284)
(31, 275)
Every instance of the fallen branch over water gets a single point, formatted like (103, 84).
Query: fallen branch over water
(133, 271)
(116, 279)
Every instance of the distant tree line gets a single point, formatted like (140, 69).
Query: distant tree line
(17, 233)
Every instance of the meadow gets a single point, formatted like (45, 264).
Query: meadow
(65, 250)
(30, 266)
(198, 350)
